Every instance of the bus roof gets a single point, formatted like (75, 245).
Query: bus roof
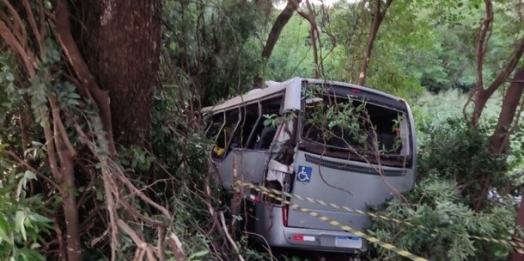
(277, 87)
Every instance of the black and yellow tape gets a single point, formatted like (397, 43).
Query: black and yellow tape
(374, 240)
(518, 246)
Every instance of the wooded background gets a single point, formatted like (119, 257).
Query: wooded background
(102, 154)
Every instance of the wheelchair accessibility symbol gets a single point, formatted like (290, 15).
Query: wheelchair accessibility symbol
(304, 174)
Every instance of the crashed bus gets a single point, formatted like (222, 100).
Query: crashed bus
(271, 137)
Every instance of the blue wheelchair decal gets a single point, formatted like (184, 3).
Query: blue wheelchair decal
(304, 174)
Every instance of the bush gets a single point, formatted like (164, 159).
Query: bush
(454, 166)
(21, 226)
(436, 205)
(455, 151)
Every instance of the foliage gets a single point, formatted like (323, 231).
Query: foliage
(453, 163)
(211, 51)
(21, 225)
(436, 204)
(207, 46)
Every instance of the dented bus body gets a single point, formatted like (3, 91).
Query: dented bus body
(286, 152)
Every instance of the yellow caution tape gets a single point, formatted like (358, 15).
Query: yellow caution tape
(371, 239)
(518, 246)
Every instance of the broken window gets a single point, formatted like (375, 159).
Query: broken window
(263, 134)
(224, 142)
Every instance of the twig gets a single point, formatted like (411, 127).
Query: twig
(119, 175)
(136, 214)
(106, 176)
(136, 239)
(38, 173)
(266, 244)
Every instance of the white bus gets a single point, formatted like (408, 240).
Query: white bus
(364, 153)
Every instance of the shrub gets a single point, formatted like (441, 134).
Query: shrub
(454, 166)
(21, 225)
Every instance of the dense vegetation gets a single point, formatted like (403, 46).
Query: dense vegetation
(101, 148)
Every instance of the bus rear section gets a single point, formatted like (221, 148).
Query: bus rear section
(364, 154)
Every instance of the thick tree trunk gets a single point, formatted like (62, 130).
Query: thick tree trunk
(120, 40)
(512, 98)
(274, 34)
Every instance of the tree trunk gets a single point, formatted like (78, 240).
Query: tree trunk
(274, 34)
(503, 129)
(378, 16)
(120, 41)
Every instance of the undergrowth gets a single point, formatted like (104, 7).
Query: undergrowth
(449, 199)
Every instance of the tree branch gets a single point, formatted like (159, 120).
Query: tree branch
(29, 167)
(18, 25)
(307, 16)
(141, 195)
(506, 72)
(72, 53)
(378, 17)
(222, 219)
(32, 23)
(139, 242)
(60, 132)
(482, 43)
(314, 30)
(25, 55)
(279, 24)
(276, 29)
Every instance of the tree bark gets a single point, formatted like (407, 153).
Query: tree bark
(274, 34)
(120, 41)
(479, 95)
(500, 137)
(378, 17)
(314, 32)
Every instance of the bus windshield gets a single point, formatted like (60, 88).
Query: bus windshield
(366, 130)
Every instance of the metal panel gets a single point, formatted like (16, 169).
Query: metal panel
(346, 187)
(250, 166)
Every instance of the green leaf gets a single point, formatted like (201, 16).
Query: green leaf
(3, 231)
(9, 77)
(198, 254)
(3, 147)
(19, 223)
(29, 175)
(39, 218)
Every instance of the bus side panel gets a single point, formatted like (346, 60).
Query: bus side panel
(250, 166)
(344, 183)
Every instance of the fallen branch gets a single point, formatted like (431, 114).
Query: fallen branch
(223, 221)
(136, 239)
(176, 247)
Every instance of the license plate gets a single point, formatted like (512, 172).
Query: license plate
(348, 242)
